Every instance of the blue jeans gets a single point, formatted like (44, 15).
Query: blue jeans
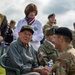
(3, 47)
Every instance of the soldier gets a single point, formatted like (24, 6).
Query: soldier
(51, 22)
(47, 50)
(65, 63)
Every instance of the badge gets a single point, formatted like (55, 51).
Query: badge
(35, 28)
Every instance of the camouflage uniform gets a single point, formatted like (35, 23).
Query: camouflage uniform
(49, 52)
(48, 25)
(73, 41)
(65, 63)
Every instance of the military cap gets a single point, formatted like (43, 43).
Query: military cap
(27, 27)
(48, 32)
(51, 15)
(64, 31)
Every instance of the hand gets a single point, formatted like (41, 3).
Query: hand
(47, 69)
(1, 38)
(43, 72)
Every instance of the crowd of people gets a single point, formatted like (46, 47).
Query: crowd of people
(35, 45)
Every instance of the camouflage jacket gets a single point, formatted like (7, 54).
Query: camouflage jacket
(65, 63)
(49, 52)
(48, 25)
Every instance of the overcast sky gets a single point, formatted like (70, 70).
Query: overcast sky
(63, 9)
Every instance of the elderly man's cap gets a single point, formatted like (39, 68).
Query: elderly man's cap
(27, 27)
(51, 15)
(64, 31)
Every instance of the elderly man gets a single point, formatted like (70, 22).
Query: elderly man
(21, 54)
(65, 63)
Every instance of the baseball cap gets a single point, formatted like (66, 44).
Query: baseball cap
(27, 27)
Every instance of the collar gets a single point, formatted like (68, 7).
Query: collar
(50, 43)
(67, 48)
(47, 43)
(30, 21)
(19, 42)
(50, 24)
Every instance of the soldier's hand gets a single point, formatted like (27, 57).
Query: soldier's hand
(47, 69)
